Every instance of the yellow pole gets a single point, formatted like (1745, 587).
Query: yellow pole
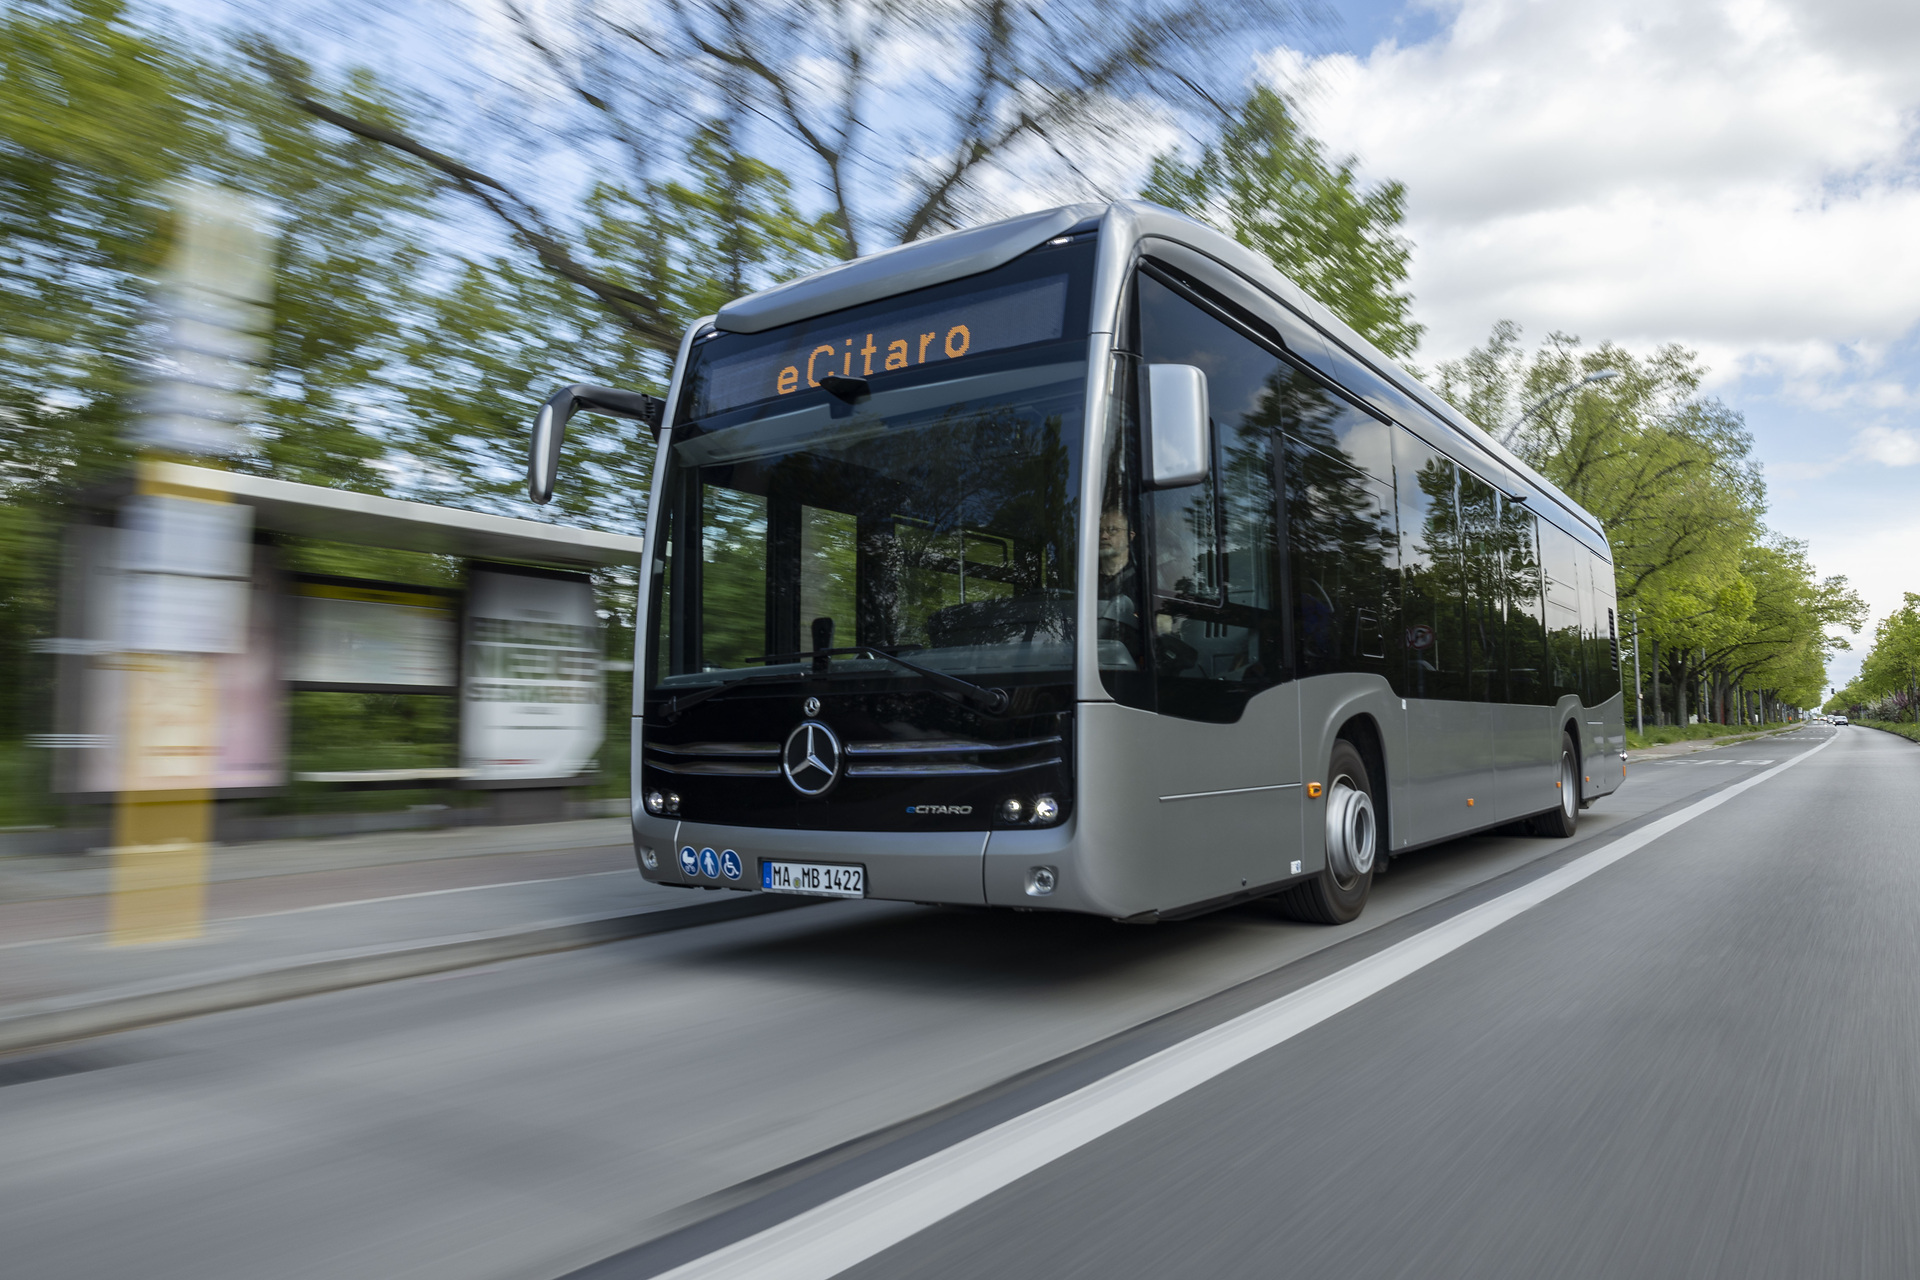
(214, 296)
(169, 751)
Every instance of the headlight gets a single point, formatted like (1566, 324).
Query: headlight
(1046, 809)
(1012, 809)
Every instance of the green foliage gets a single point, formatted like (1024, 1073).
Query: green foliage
(1271, 186)
(1659, 735)
(1888, 686)
(1723, 603)
(393, 367)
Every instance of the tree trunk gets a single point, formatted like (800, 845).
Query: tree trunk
(1659, 708)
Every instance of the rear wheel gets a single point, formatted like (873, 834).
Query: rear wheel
(1338, 893)
(1561, 821)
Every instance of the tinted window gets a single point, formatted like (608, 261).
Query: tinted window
(1125, 669)
(1560, 558)
(1526, 628)
(1433, 633)
(1485, 607)
(1215, 627)
(1603, 643)
(1342, 557)
(1363, 382)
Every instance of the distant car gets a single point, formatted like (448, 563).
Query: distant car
(1836, 720)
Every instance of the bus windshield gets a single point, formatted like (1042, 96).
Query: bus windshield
(927, 510)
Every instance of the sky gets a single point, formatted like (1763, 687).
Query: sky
(1740, 177)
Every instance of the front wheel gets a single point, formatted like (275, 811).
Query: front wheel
(1561, 821)
(1339, 892)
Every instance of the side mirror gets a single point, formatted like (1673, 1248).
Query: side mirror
(550, 428)
(1178, 447)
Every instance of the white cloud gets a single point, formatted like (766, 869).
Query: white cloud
(1888, 446)
(1737, 176)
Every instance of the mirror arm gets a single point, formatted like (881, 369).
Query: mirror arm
(550, 428)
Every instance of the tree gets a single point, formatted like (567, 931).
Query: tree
(1669, 474)
(1888, 686)
(1271, 186)
(1000, 86)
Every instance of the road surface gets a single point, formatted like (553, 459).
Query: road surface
(1683, 1043)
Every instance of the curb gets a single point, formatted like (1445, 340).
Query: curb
(50, 1022)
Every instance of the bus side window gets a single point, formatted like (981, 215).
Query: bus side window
(1560, 558)
(1485, 607)
(1214, 559)
(1603, 659)
(1341, 554)
(1526, 628)
(1432, 583)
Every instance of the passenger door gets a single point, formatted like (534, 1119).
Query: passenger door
(1448, 740)
(1226, 730)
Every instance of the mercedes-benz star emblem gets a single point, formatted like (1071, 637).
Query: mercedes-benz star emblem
(811, 758)
(811, 706)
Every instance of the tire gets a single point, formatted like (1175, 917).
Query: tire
(1338, 893)
(1563, 819)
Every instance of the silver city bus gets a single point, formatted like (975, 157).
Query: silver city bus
(1082, 562)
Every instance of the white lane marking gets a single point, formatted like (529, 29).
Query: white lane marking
(853, 1227)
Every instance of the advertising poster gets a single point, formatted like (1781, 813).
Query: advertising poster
(165, 721)
(373, 637)
(532, 692)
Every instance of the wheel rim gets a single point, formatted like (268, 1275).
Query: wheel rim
(1350, 831)
(1569, 786)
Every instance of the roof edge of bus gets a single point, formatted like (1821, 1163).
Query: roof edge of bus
(917, 264)
(1157, 220)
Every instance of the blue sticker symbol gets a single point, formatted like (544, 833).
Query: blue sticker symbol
(729, 864)
(709, 864)
(689, 861)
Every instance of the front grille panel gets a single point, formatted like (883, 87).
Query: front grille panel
(912, 761)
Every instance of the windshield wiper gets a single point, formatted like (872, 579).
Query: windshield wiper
(680, 702)
(990, 700)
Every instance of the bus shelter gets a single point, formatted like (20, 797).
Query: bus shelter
(186, 570)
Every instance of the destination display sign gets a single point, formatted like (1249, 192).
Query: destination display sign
(865, 343)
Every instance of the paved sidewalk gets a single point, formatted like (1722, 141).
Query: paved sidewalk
(291, 918)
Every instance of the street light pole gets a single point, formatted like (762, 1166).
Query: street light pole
(1639, 720)
(1506, 433)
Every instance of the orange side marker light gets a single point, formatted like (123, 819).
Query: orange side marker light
(1313, 791)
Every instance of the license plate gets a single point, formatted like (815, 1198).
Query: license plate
(819, 879)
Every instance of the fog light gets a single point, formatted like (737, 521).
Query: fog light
(656, 802)
(1012, 809)
(648, 858)
(673, 802)
(1046, 809)
(1040, 881)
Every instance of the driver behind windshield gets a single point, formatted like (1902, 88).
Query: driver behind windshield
(1119, 585)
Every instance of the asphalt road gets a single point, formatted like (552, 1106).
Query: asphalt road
(1698, 1059)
